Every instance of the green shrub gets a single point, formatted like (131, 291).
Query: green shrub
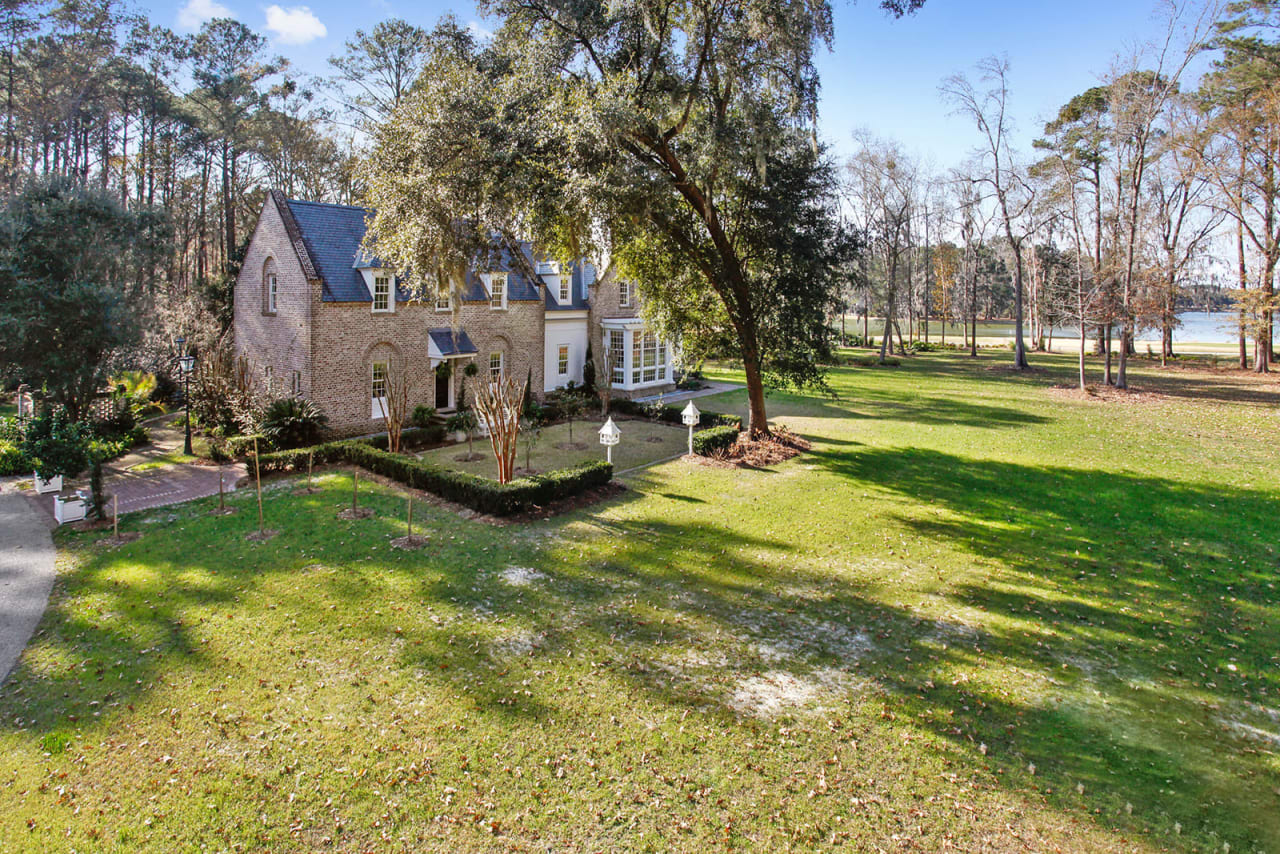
(291, 422)
(10, 430)
(13, 460)
(469, 490)
(668, 414)
(238, 447)
(422, 415)
(708, 442)
(57, 445)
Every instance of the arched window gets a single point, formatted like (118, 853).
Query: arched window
(270, 287)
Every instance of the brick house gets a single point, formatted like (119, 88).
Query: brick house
(319, 319)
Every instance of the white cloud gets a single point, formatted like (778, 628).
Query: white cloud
(479, 31)
(295, 25)
(196, 12)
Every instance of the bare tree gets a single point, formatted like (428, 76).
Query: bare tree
(399, 392)
(1140, 90)
(499, 404)
(1014, 196)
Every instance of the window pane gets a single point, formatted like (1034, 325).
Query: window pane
(495, 367)
(379, 389)
(618, 353)
(563, 360)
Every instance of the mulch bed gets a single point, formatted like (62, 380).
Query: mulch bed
(355, 513)
(756, 453)
(409, 544)
(261, 536)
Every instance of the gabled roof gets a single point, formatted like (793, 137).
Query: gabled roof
(328, 239)
(502, 260)
(577, 293)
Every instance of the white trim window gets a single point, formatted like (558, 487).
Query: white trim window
(382, 297)
(495, 367)
(295, 383)
(378, 390)
(618, 355)
(565, 282)
(624, 294)
(266, 375)
(272, 294)
(562, 360)
(444, 299)
(497, 291)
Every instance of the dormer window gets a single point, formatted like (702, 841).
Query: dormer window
(564, 289)
(624, 294)
(443, 300)
(382, 299)
(497, 291)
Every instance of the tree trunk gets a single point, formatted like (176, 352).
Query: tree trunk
(757, 421)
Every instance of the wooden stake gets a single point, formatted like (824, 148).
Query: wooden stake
(310, 456)
(409, 501)
(221, 505)
(115, 517)
(355, 488)
(257, 476)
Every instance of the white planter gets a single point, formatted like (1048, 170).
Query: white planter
(459, 436)
(69, 509)
(43, 487)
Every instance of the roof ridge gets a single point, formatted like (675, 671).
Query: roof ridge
(326, 205)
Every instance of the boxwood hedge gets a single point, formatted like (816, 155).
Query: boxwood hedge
(469, 490)
(669, 414)
(708, 442)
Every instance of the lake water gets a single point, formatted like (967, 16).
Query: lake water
(1218, 327)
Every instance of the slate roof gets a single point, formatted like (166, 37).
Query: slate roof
(332, 235)
(451, 343)
(328, 238)
(501, 260)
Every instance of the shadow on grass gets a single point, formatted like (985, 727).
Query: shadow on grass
(1113, 605)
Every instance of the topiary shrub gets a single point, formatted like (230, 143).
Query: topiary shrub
(714, 440)
(291, 422)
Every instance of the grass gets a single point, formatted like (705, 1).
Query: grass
(981, 614)
(642, 442)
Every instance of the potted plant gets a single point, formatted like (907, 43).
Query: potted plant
(58, 447)
(462, 424)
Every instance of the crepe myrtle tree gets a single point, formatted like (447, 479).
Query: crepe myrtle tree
(674, 139)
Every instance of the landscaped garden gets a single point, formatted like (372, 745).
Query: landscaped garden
(982, 613)
(642, 442)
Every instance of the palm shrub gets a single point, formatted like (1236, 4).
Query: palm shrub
(291, 422)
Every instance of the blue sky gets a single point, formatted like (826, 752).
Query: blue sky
(882, 75)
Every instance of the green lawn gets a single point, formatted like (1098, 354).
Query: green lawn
(641, 442)
(982, 614)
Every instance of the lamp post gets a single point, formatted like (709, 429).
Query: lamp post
(187, 362)
(609, 436)
(691, 416)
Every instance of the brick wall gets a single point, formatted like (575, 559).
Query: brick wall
(516, 331)
(281, 341)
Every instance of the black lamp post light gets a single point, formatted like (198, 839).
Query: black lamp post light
(187, 363)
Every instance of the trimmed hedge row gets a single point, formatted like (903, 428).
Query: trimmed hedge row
(469, 490)
(708, 442)
(239, 447)
(673, 414)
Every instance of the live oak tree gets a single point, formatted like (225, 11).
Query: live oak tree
(672, 143)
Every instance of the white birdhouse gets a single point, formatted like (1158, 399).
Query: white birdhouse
(609, 436)
(609, 433)
(690, 415)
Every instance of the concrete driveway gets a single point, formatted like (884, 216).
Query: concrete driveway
(26, 574)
